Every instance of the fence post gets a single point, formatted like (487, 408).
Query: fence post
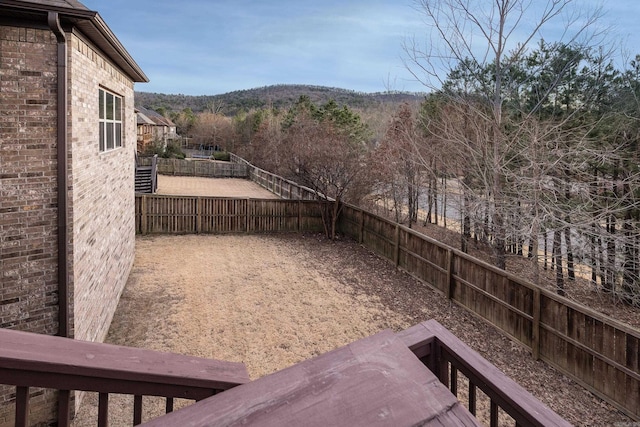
(247, 219)
(143, 216)
(450, 281)
(361, 227)
(299, 215)
(535, 330)
(198, 215)
(396, 257)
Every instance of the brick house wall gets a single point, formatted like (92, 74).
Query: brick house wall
(102, 201)
(28, 191)
(101, 194)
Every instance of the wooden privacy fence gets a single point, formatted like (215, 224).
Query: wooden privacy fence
(597, 351)
(276, 184)
(189, 214)
(204, 168)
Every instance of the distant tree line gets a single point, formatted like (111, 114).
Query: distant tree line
(277, 96)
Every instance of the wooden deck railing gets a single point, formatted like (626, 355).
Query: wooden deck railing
(446, 355)
(32, 360)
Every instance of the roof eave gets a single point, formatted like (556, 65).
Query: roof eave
(26, 6)
(91, 24)
(98, 32)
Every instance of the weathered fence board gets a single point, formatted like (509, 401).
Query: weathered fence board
(276, 184)
(182, 215)
(203, 168)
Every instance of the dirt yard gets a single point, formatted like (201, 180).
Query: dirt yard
(221, 187)
(273, 300)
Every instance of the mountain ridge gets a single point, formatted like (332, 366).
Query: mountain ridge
(277, 96)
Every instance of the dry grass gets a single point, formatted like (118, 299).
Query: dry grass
(272, 301)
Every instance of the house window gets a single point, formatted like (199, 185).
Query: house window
(110, 120)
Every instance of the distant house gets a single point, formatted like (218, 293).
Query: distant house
(145, 131)
(154, 128)
(67, 171)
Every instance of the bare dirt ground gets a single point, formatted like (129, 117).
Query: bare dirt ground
(220, 187)
(271, 301)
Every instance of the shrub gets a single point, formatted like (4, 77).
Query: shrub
(173, 150)
(221, 155)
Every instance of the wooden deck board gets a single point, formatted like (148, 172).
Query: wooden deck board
(374, 381)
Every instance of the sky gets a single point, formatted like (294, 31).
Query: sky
(210, 47)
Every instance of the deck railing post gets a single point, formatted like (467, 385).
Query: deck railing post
(103, 409)
(137, 409)
(64, 406)
(493, 414)
(442, 365)
(22, 406)
(169, 405)
(472, 398)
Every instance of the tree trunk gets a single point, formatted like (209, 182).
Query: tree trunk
(611, 254)
(533, 249)
(602, 268)
(631, 259)
(435, 200)
(430, 190)
(571, 273)
(557, 255)
(334, 217)
(444, 202)
(466, 221)
(546, 250)
(594, 260)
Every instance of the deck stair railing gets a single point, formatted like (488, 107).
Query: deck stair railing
(146, 175)
(30, 360)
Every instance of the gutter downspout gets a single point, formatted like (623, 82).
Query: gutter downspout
(63, 184)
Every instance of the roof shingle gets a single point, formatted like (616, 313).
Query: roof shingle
(66, 4)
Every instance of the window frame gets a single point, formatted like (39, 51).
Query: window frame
(110, 121)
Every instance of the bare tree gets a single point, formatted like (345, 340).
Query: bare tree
(477, 45)
(212, 129)
(397, 164)
(326, 149)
